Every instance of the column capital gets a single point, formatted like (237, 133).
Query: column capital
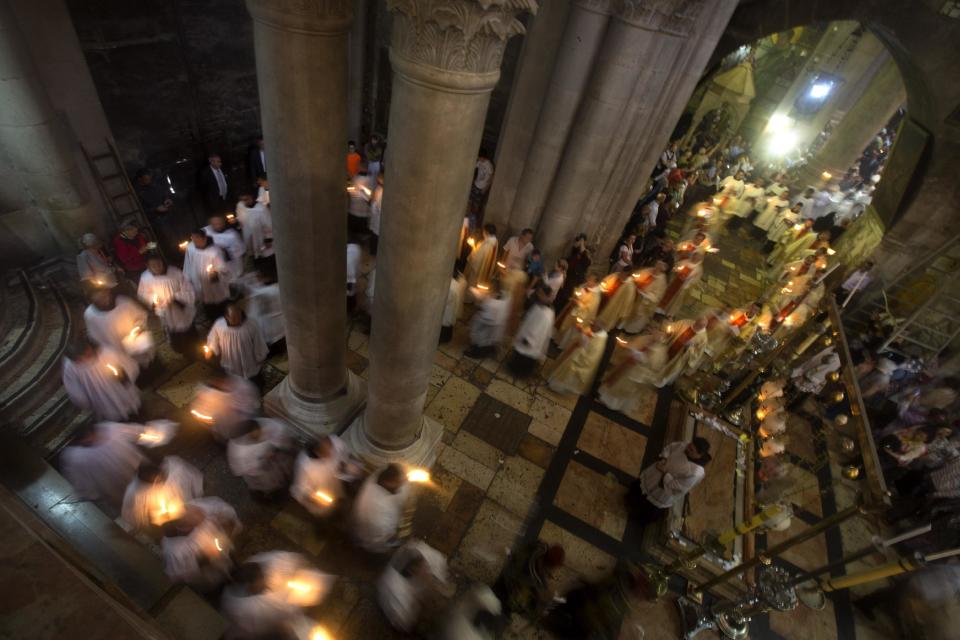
(304, 16)
(675, 17)
(461, 36)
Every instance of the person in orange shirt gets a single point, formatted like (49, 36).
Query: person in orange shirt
(353, 159)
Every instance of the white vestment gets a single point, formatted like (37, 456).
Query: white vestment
(230, 241)
(460, 625)
(102, 470)
(490, 321)
(92, 386)
(262, 463)
(123, 328)
(377, 514)
(182, 557)
(182, 483)
(664, 488)
(257, 230)
(263, 307)
(227, 408)
(533, 338)
(517, 255)
(574, 373)
(400, 596)
(354, 255)
(160, 292)
(199, 265)
(454, 304)
(325, 475)
(242, 349)
(555, 280)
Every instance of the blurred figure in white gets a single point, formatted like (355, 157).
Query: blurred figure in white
(256, 224)
(101, 380)
(453, 306)
(263, 307)
(100, 463)
(228, 239)
(159, 493)
(475, 616)
(208, 272)
(407, 581)
(489, 321)
(239, 343)
(119, 323)
(263, 455)
(224, 404)
(167, 292)
(378, 509)
(322, 473)
(196, 551)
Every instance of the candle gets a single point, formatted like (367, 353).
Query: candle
(134, 332)
(483, 287)
(797, 227)
(713, 250)
(831, 251)
(352, 189)
(206, 352)
(210, 268)
(621, 341)
(365, 191)
(419, 476)
(501, 265)
(156, 299)
(231, 217)
(471, 242)
(322, 497)
(319, 633)
(150, 436)
(99, 283)
(167, 506)
(826, 175)
(113, 370)
(669, 328)
(216, 543)
(202, 417)
(183, 245)
(578, 293)
(298, 586)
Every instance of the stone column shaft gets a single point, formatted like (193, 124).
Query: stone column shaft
(649, 131)
(579, 45)
(358, 50)
(38, 173)
(444, 72)
(301, 56)
(859, 126)
(540, 50)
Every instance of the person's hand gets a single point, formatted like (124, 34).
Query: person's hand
(151, 245)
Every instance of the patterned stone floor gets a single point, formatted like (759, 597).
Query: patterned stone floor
(517, 462)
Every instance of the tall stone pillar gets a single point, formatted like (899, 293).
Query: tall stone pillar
(692, 30)
(446, 59)
(39, 178)
(638, 58)
(872, 111)
(301, 52)
(582, 36)
(358, 50)
(540, 49)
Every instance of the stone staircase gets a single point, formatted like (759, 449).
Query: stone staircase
(41, 311)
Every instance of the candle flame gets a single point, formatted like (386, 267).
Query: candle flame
(365, 191)
(202, 417)
(231, 217)
(209, 268)
(299, 585)
(669, 328)
(483, 287)
(713, 250)
(135, 332)
(471, 242)
(216, 542)
(501, 265)
(579, 320)
(319, 633)
(113, 370)
(797, 227)
(703, 213)
(418, 475)
(351, 189)
(183, 245)
(578, 293)
(156, 299)
(150, 436)
(636, 275)
(761, 414)
(621, 340)
(826, 175)
(831, 252)
(325, 498)
(99, 283)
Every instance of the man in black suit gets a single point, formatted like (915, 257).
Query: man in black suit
(256, 161)
(214, 188)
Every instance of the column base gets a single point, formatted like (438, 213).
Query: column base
(422, 453)
(317, 418)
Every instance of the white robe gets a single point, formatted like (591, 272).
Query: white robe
(665, 488)
(195, 265)
(257, 229)
(263, 464)
(228, 408)
(102, 470)
(279, 567)
(400, 597)
(161, 291)
(264, 615)
(575, 373)
(263, 307)
(91, 385)
(242, 349)
(354, 254)
(218, 511)
(327, 475)
(182, 556)
(533, 337)
(454, 304)
(377, 514)
(490, 321)
(555, 280)
(113, 329)
(770, 211)
(459, 624)
(230, 241)
(182, 483)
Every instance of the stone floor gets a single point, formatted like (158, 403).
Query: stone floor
(517, 462)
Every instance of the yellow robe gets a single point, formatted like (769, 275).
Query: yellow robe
(482, 262)
(585, 304)
(695, 273)
(649, 355)
(645, 303)
(688, 358)
(574, 373)
(792, 244)
(619, 305)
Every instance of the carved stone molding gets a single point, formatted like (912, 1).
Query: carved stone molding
(456, 35)
(597, 6)
(675, 17)
(304, 16)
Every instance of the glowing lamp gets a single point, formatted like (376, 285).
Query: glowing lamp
(231, 217)
(831, 252)
(838, 396)
(420, 476)
(835, 376)
(501, 265)
(621, 341)
(183, 245)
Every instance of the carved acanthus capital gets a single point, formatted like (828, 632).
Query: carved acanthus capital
(676, 17)
(456, 35)
(304, 16)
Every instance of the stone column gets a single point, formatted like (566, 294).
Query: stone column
(693, 31)
(358, 49)
(40, 181)
(446, 58)
(301, 51)
(872, 111)
(637, 62)
(540, 49)
(579, 45)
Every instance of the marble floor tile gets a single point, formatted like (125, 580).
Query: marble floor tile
(445, 485)
(484, 548)
(439, 376)
(496, 423)
(453, 402)
(510, 395)
(179, 390)
(547, 433)
(515, 485)
(536, 451)
(443, 360)
(484, 453)
(584, 559)
(550, 413)
(281, 362)
(647, 404)
(567, 401)
(594, 499)
(616, 445)
(481, 377)
(295, 524)
(466, 468)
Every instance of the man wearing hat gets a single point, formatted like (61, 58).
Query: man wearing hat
(661, 485)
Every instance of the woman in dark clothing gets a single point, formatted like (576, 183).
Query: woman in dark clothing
(578, 263)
